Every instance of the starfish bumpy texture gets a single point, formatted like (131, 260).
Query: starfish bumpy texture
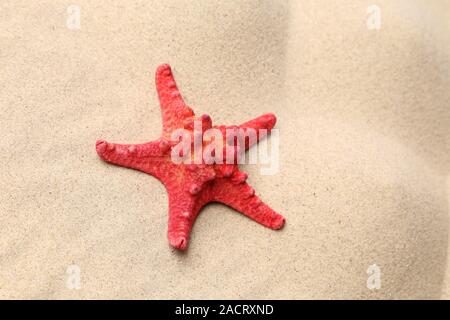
(192, 186)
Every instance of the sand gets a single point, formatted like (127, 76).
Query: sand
(364, 124)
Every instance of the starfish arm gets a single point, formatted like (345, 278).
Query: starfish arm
(254, 130)
(173, 108)
(183, 210)
(241, 197)
(266, 121)
(146, 157)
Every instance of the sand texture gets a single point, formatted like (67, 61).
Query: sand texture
(364, 122)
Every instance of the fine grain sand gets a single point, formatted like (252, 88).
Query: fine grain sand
(364, 120)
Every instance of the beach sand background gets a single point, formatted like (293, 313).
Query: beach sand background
(364, 120)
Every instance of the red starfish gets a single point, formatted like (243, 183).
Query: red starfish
(191, 186)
